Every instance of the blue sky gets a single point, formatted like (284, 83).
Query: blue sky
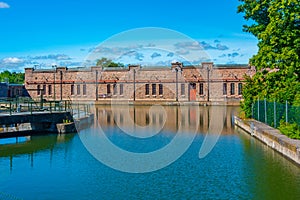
(65, 32)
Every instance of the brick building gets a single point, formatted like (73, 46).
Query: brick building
(206, 82)
(12, 90)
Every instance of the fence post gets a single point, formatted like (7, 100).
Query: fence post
(50, 107)
(265, 104)
(275, 114)
(286, 111)
(31, 108)
(258, 109)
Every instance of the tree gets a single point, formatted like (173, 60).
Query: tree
(104, 62)
(276, 24)
(12, 77)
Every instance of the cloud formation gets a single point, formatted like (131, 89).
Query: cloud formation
(188, 45)
(40, 61)
(170, 54)
(52, 57)
(230, 55)
(139, 56)
(221, 47)
(4, 5)
(235, 54)
(155, 55)
(12, 64)
(194, 46)
(118, 50)
(12, 60)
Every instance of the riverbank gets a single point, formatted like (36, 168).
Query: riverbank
(290, 148)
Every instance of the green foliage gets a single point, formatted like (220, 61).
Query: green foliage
(276, 24)
(290, 130)
(104, 62)
(297, 99)
(12, 77)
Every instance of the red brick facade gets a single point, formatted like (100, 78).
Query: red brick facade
(202, 83)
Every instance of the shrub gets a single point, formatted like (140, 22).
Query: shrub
(290, 130)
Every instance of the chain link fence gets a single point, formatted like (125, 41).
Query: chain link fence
(272, 112)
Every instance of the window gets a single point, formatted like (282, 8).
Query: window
(84, 89)
(72, 90)
(121, 89)
(161, 89)
(44, 89)
(49, 89)
(240, 88)
(78, 89)
(115, 88)
(182, 89)
(38, 89)
(231, 88)
(147, 89)
(201, 89)
(153, 89)
(224, 88)
(108, 88)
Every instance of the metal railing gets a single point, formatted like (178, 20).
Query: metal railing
(17, 105)
(272, 112)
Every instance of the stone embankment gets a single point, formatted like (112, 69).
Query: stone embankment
(272, 137)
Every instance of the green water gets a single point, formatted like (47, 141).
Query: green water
(60, 166)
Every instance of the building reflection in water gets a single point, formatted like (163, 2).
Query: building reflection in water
(171, 118)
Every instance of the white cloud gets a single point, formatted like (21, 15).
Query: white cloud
(12, 64)
(12, 60)
(4, 5)
(52, 56)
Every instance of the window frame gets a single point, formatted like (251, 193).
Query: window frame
(160, 89)
(147, 89)
(153, 85)
(201, 89)
(232, 89)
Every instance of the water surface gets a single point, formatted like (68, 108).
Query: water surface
(60, 167)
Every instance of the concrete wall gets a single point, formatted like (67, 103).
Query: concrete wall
(290, 148)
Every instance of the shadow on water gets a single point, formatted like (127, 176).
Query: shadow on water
(273, 176)
(30, 145)
(33, 144)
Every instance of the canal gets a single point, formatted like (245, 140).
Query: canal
(143, 152)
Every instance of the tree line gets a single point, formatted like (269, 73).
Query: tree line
(12, 77)
(276, 25)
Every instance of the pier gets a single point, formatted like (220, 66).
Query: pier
(42, 118)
